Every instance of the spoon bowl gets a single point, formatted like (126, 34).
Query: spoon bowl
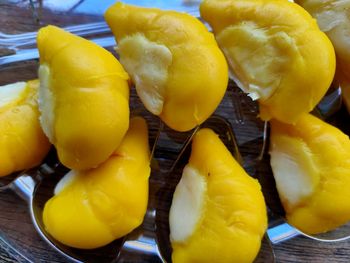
(279, 230)
(151, 239)
(331, 109)
(223, 128)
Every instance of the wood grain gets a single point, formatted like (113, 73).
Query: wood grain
(17, 234)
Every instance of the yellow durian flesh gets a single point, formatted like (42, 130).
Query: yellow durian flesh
(333, 18)
(178, 70)
(311, 164)
(91, 208)
(83, 98)
(23, 144)
(228, 217)
(276, 53)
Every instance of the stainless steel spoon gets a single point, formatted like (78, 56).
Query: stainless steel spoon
(279, 230)
(224, 129)
(327, 109)
(29, 187)
(144, 242)
(36, 187)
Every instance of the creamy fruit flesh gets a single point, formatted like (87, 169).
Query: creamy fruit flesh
(91, 208)
(333, 18)
(178, 70)
(218, 211)
(83, 98)
(23, 144)
(311, 165)
(276, 52)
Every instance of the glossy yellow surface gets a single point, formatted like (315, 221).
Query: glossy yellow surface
(91, 208)
(333, 18)
(276, 52)
(83, 98)
(313, 177)
(23, 144)
(233, 216)
(179, 72)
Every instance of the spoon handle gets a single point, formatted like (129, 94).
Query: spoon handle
(29, 38)
(24, 185)
(32, 53)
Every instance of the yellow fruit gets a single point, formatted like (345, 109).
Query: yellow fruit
(311, 166)
(91, 208)
(23, 144)
(218, 212)
(83, 98)
(179, 72)
(276, 52)
(333, 18)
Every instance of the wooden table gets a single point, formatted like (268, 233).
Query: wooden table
(14, 217)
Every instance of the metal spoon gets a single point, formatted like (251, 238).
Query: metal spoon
(36, 186)
(279, 230)
(326, 110)
(223, 128)
(30, 186)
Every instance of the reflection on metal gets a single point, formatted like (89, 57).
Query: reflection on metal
(281, 233)
(330, 103)
(145, 241)
(265, 142)
(24, 187)
(29, 54)
(16, 41)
